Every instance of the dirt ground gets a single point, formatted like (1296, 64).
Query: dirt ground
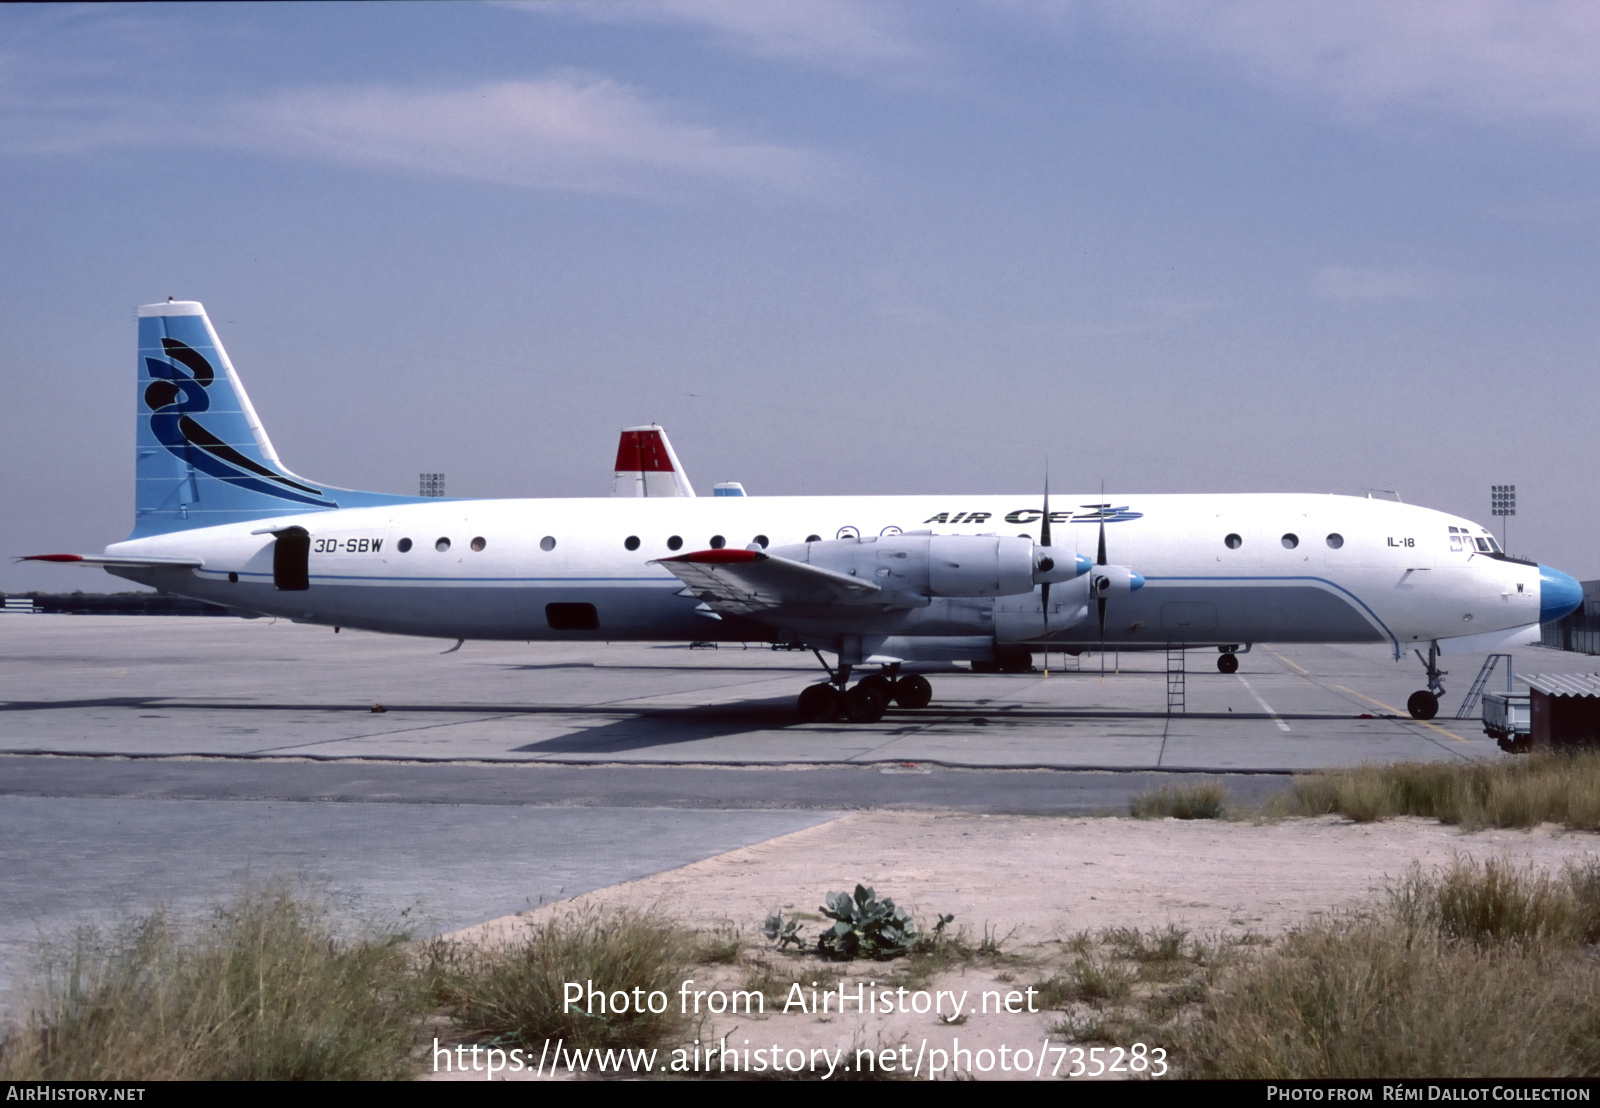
(1035, 882)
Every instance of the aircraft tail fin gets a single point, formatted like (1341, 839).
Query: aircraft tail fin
(647, 465)
(203, 457)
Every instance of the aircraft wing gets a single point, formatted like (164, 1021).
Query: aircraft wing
(749, 582)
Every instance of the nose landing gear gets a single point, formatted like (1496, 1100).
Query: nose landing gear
(1424, 703)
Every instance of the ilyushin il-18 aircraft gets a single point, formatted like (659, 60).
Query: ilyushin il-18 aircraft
(883, 583)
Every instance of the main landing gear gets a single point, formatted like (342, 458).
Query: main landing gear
(1424, 703)
(867, 701)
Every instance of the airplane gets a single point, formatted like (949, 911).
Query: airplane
(885, 583)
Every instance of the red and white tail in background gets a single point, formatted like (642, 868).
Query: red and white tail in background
(646, 465)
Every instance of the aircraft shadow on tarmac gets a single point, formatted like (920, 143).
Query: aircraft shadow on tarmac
(770, 670)
(666, 727)
(658, 727)
(765, 714)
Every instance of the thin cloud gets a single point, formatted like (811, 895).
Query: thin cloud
(857, 38)
(1485, 60)
(569, 131)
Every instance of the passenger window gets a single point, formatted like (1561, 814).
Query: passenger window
(674, 542)
(548, 543)
(1290, 541)
(813, 538)
(631, 542)
(442, 545)
(1335, 540)
(1233, 542)
(718, 542)
(405, 545)
(761, 541)
(478, 544)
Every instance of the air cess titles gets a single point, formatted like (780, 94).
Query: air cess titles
(1096, 513)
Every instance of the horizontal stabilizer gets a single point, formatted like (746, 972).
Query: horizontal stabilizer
(102, 560)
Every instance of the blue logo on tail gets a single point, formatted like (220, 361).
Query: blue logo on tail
(174, 398)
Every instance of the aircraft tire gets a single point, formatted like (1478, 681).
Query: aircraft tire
(865, 704)
(914, 691)
(1227, 663)
(1423, 705)
(819, 704)
(878, 681)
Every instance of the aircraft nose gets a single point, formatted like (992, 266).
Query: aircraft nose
(1558, 594)
(1136, 582)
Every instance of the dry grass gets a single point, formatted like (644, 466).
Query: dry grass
(1513, 792)
(265, 989)
(1124, 985)
(1199, 801)
(1479, 972)
(515, 994)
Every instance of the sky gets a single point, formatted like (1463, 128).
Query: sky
(832, 247)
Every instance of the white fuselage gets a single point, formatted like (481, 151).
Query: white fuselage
(1389, 574)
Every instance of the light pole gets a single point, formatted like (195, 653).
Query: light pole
(1503, 503)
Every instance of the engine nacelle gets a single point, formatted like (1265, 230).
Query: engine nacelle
(1113, 581)
(941, 565)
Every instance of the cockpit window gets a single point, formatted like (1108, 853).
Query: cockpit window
(1455, 539)
(1494, 546)
(1483, 545)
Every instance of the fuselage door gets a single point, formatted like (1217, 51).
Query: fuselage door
(291, 559)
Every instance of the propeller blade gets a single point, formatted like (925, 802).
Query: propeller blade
(1100, 559)
(1044, 530)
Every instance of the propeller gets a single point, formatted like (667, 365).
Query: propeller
(1101, 583)
(1106, 577)
(1050, 566)
(1046, 562)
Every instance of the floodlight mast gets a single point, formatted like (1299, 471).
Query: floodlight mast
(1503, 503)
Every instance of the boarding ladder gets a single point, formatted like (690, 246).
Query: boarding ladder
(1471, 702)
(1175, 675)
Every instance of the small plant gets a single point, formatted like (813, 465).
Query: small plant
(992, 940)
(781, 931)
(866, 927)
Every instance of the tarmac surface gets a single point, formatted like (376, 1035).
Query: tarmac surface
(148, 760)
